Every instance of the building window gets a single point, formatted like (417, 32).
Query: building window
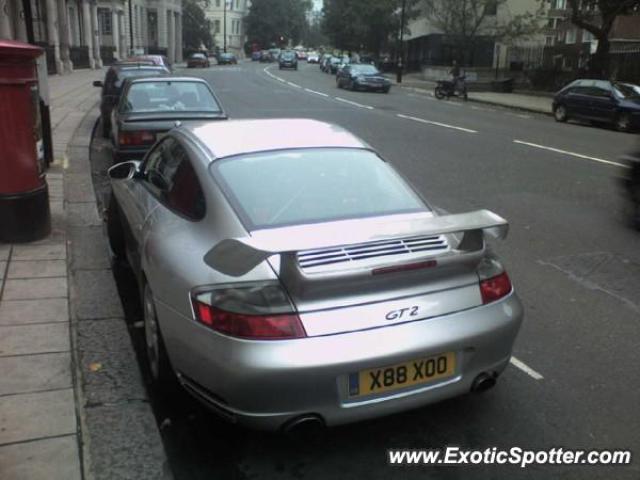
(561, 4)
(216, 27)
(491, 8)
(218, 3)
(104, 21)
(571, 36)
(587, 37)
(237, 4)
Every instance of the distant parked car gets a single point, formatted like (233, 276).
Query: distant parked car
(614, 103)
(150, 107)
(255, 56)
(198, 60)
(227, 58)
(265, 56)
(333, 64)
(301, 55)
(324, 63)
(362, 77)
(113, 82)
(287, 59)
(313, 57)
(275, 54)
(155, 59)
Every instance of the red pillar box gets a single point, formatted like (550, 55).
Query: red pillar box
(24, 195)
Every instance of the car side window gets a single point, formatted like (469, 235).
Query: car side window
(170, 176)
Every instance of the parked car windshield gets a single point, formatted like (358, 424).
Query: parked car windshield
(365, 70)
(627, 90)
(291, 187)
(169, 96)
(198, 55)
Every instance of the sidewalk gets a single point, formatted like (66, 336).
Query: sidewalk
(70, 408)
(530, 103)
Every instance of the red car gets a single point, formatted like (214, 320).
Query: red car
(198, 60)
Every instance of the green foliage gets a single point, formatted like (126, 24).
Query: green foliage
(277, 21)
(196, 29)
(364, 25)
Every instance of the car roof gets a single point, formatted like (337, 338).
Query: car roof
(165, 78)
(235, 137)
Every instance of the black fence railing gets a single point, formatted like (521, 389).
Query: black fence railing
(107, 54)
(157, 51)
(79, 57)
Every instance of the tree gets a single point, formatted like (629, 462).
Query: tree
(196, 27)
(465, 20)
(597, 17)
(277, 21)
(354, 25)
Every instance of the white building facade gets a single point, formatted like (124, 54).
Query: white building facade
(227, 21)
(90, 33)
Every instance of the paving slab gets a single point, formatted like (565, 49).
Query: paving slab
(32, 373)
(31, 339)
(19, 312)
(36, 415)
(108, 364)
(125, 443)
(82, 214)
(37, 269)
(57, 251)
(47, 459)
(79, 188)
(4, 251)
(95, 295)
(34, 288)
(88, 248)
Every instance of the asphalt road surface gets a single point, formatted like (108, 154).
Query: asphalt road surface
(575, 262)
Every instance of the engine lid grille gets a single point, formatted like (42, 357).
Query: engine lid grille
(365, 251)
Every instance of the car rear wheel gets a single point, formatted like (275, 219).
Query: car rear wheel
(560, 113)
(115, 232)
(159, 365)
(623, 122)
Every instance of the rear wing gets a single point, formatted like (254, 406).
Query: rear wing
(237, 256)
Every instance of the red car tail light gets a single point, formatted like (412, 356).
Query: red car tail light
(142, 137)
(260, 311)
(494, 281)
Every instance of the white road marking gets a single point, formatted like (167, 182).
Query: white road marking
(429, 122)
(573, 154)
(317, 93)
(355, 104)
(293, 85)
(525, 368)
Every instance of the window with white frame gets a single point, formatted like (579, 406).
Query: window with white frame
(216, 26)
(571, 35)
(105, 25)
(587, 36)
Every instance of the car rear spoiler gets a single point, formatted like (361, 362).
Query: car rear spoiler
(237, 256)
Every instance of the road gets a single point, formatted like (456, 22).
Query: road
(571, 256)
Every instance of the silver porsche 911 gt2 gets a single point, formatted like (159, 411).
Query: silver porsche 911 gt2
(291, 277)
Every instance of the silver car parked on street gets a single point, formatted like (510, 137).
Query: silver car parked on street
(291, 277)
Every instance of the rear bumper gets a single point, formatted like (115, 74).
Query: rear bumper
(265, 384)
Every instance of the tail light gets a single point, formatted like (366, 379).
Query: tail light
(494, 281)
(142, 137)
(260, 311)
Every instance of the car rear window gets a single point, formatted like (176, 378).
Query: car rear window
(291, 187)
(365, 69)
(169, 96)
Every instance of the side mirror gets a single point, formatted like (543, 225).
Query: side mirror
(125, 170)
(97, 83)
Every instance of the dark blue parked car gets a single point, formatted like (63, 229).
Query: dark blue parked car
(614, 103)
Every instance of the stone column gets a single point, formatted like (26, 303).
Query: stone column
(5, 20)
(171, 37)
(96, 34)
(115, 31)
(52, 34)
(63, 27)
(179, 37)
(162, 27)
(123, 36)
(87, 31)
(20, 32)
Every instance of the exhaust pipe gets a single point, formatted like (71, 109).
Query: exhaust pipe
(483, 382)
(304, 426)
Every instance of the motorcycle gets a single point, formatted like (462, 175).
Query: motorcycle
(447, 89)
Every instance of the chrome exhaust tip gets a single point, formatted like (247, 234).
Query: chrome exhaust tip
(483, 382)
(304, 426)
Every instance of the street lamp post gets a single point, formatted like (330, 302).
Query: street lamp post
(224, 27)
(401, 46)
(131, 29)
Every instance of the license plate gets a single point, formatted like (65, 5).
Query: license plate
(394, 377)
